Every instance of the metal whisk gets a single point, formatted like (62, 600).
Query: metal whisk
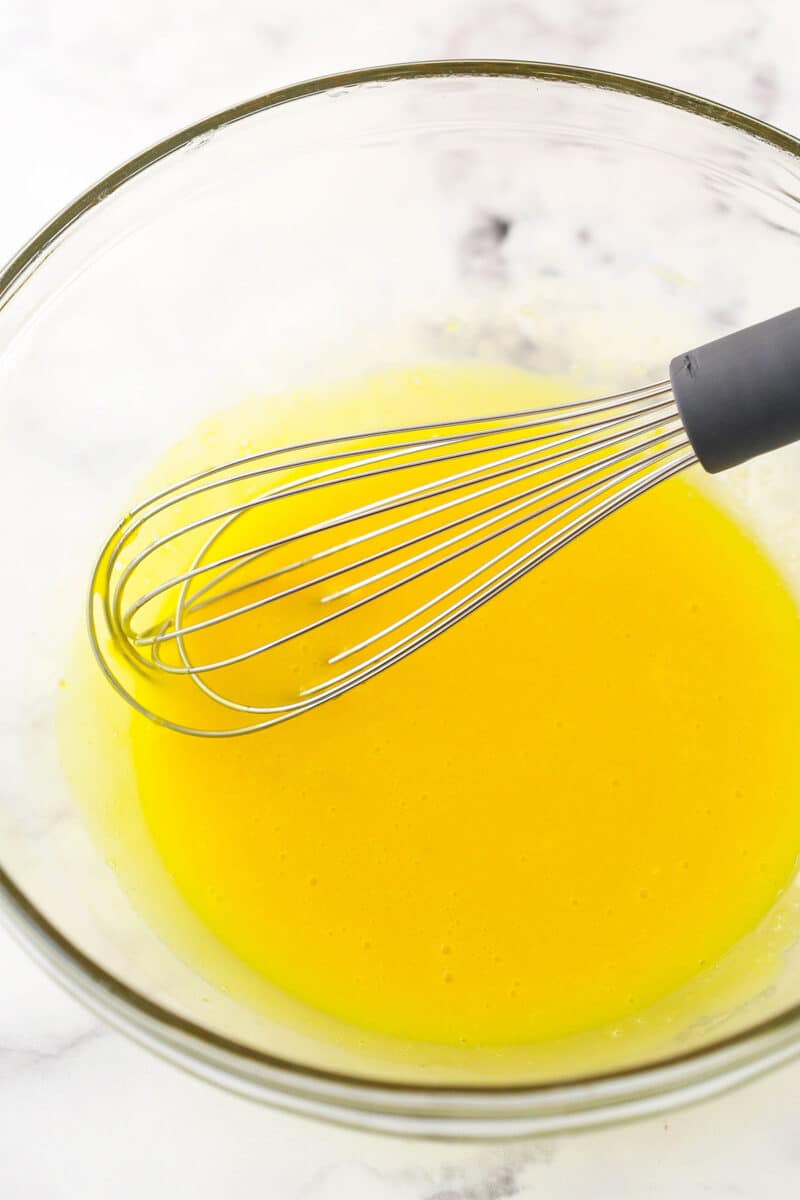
(421, 525)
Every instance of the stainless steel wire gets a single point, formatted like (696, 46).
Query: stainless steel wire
(455, 512)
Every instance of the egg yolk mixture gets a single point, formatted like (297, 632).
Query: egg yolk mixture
(545, 820)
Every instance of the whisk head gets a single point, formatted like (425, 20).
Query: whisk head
(256, 590)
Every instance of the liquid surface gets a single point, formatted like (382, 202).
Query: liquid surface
(545, 820)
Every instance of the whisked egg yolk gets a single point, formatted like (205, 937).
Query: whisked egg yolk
(546, 819)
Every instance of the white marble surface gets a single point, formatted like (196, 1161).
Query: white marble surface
(82, 86)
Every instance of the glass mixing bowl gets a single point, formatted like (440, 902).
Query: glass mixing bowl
(554, 217)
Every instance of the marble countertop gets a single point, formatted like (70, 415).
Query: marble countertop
(83, 86)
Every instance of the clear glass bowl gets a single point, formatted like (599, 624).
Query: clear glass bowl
(555, 217)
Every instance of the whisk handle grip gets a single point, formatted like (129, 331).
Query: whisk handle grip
(739, 396)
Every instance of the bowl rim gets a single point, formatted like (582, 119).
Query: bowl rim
(454, 1109)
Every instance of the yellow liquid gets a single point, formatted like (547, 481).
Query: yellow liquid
(545, 820)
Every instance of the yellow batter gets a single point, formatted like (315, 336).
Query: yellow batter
(544, 821)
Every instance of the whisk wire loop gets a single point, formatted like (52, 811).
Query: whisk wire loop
(526, 482)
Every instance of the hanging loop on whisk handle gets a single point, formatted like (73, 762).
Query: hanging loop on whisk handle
(739, 396)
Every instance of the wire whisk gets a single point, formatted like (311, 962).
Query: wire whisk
(273, 583)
